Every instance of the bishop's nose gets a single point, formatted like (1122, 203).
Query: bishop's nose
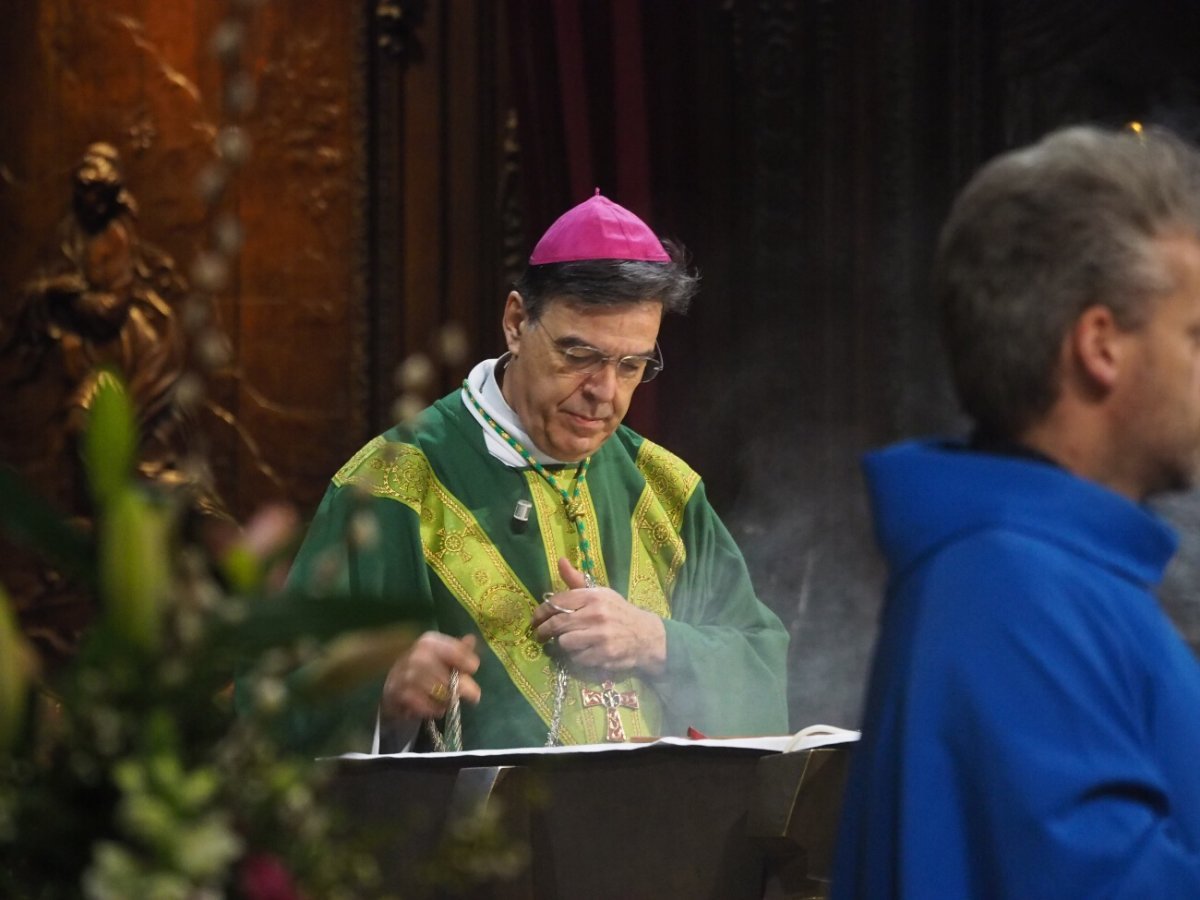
(602, 386)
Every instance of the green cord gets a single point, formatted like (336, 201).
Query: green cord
(571, 501)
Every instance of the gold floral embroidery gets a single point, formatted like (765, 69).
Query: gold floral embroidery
(559, 537)
(658, 551)
(453, 542)
(474, 572)
(346, 472)
(464, 559)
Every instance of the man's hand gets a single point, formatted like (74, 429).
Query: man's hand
(417, 687)
(603, 630)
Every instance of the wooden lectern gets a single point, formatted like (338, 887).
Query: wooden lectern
(690, 819)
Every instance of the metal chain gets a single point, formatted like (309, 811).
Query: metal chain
(452, 742)
(560, 689)
(560, 696)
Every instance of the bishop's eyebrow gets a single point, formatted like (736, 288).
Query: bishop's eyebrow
(568, 341)
(573, 343)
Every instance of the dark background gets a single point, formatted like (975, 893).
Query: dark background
(407, 154)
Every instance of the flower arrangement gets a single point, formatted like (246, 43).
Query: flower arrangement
(127, 772)
(134, 770)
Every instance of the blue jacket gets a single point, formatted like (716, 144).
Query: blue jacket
(1032, 726)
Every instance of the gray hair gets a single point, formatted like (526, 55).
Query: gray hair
(1041, 234)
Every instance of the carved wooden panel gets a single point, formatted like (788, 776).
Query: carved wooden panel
(289, 404)
(142, 78)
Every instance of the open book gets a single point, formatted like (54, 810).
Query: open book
(805, 739)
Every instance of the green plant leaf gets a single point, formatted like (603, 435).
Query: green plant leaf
(356, 658)
(242, 569)
(110, 442)
(135, 566)
(32, 522)
(282, 619)
(16, 664)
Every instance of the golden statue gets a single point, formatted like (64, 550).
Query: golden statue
(104, 306)
(106, 301)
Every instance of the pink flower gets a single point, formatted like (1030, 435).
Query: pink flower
(264, 877)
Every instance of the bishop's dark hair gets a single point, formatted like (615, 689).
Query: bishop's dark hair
(609, 282)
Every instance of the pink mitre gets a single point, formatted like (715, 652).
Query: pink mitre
(598, 229)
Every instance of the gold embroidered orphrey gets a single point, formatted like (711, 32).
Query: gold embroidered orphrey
(472, 569)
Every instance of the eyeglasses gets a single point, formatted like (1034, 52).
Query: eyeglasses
(582, 360)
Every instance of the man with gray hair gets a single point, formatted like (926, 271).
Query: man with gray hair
(1033, 718)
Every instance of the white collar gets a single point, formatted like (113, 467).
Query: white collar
(486, 390)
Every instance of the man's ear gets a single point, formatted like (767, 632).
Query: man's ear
(513, 321)
(1096, 346)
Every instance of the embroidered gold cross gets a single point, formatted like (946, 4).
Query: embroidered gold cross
(610, 698)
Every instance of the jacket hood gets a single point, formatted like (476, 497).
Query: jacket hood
(926, 494)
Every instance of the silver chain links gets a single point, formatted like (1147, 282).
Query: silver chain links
(560, 689)
(452, 742)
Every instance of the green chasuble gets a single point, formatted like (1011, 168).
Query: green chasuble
(447, 550)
